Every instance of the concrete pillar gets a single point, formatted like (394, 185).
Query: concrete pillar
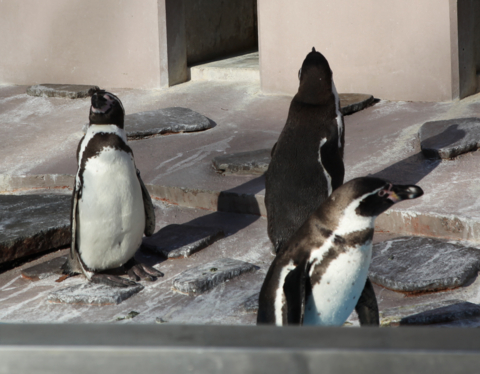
(172, 42)
(465, 16)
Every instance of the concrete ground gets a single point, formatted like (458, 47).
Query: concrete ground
(39, 140)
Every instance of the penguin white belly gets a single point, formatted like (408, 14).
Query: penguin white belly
(111, 215)
(336, 295)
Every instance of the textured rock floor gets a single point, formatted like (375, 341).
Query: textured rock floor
(22, 300)
(381, 140)
(40, 136)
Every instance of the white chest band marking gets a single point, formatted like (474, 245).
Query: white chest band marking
(327, 176)
(349, 222)
(92, 130)
(279, 294)
(339, 117)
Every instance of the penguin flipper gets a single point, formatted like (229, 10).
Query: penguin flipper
(367, 308)
(149, 209)
(294, 289)
(72, 265)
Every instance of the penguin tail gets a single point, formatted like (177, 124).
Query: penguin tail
(68, 270)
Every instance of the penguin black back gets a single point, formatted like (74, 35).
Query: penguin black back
(307, 161)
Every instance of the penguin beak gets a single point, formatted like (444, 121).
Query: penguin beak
(398, 193)
(101, 103)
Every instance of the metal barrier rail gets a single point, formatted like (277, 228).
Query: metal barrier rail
(105, 349)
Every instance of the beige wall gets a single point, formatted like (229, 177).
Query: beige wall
(393, 49)
(106, 43)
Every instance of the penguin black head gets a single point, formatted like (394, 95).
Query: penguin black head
(106, 109)
(315, 78)
(374, 195)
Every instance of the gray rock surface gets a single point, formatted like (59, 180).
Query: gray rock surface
(416, 264)
(205, 277)
(449, 138)
(251, 304)
(175, 241)
(429, 313)
(256, 162)
(354, 102)
(164, 121)
(93, 294)
(251, 162)
(70, 91)
(45, 269)
(31, 224)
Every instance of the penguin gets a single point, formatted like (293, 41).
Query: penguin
(307, 160)
(307, 163)
(111, 207)
(321, 272)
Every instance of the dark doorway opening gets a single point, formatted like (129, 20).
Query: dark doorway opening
(216, 29)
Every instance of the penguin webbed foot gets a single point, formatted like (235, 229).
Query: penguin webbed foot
(137, 271)
(112, 280)
(67, 271)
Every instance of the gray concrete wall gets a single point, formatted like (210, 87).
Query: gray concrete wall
(217, 28)
(476, 40)
(106, 43)
(396, 49)
(467, 46)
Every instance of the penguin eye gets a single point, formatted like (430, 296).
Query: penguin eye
(382, 193)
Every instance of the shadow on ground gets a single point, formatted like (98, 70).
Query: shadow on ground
(416, 167)
(230, 215)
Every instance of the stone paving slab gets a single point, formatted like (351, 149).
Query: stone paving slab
(205, 277)
(45, 269)
(251, 304)
(250, 162)
(354, 102)
(417, 264)
(174, 241)
(93, 294)
(450, 138)
(165, 121)
(430, 313)
(31, 224)
(70, 91)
